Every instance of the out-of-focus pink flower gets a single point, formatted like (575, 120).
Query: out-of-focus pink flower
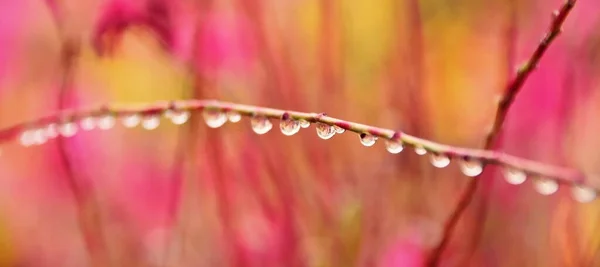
(404, 253)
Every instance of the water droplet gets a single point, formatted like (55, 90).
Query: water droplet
(304, 123)
(367, 139)
(338, 129)
(420, 150)
(106, 122)
(151, 122)
(39, 136)
(67, 129)
(169, 113)
(440, 160)
(234, 116)
(289, 126)
(131, 120)
(583, 194)
(324, 131)
(515, 177)
(214, 118)
(471, 168)
(27, 138)
(261, 124)
(394, 146)
(87, 123)
(545, 186)
(51, 130)
(180, 117)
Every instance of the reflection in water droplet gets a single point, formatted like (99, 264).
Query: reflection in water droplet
(214, 118)
(131, 120)
(545, 186)
(289, 126)
(234, 116)
(39, 137)
(583, 194)
(304, 123)
(67, 129)
(324, 131)
(420, 150)
(151, 122)
(440, 160)
(394, 146)
(261, 124)
(180, 117)
(513, 176)
(87, 123)
(338, 129)
(471, 168)
(367, 139)
(106, 122)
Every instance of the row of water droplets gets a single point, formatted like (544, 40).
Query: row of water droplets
(289, 126)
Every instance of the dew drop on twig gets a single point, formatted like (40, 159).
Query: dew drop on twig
(545, 186)
(304, 123)
(51, 130)
(471, 167)
(289, 126)
(234, 116)
(131, 120)
(214, 118)
(583, 194)
(67, 129)
(27, 139)
(106, 122)
(324, 131)
(394, 146)
(338, 129)
(367, 139)
(261, 124)
(440, 160)
(87, 123)
(180, 117)
(150, 122)
(420, 150)
(513, 176)
(39, 136)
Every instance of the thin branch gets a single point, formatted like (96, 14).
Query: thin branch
(531, 168)
(513, 88)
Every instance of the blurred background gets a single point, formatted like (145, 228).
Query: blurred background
(193, 196)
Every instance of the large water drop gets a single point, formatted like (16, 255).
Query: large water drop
(289, 126)
(87, 123)
(324, 131)
(513, 176)
(131, 120)
(180, 117)
(151, 122)
(106, 122)
(394, 146)
(214, 118)
(67, 129)
(261, 124)
(367, 139)
(545, 186)
(471, 168)
(583, 194)
(440, 160)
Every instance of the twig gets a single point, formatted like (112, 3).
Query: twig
(513, 88)
(532, 168)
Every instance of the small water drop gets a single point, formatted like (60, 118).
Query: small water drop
(234, 116)
(261, 124)
(106, 122)
(440, 160)
(131, 120)
(394, 146)
(367, 139)
(87, 123)
(67, 129)
(39, 136)
(583, 194)
(324, 131)
(471, 168)
(515, 177)
(169, 113)
(151, 122)
(545, 186)
(180, 117)
(420, 150)
(289, 126)
(338, 129)
(27, 138)
(214, 118)
(304, 124)
(51, 130)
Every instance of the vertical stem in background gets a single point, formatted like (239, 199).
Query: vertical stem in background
(508, 97)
